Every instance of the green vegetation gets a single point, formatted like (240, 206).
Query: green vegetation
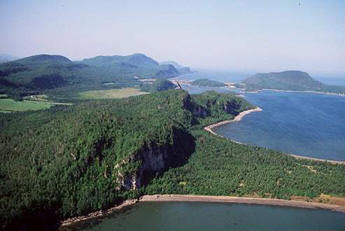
(158, 85)
(68, 161)
(29, 103)
(222, 167)
(207, 83)
(10, 105)
(57, 75)
(111, 94)
(288, 80)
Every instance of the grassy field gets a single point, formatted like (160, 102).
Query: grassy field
(30, 103)
(111, 94)
(10, 105)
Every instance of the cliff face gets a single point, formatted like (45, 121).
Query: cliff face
(196, 109)
(153, 159)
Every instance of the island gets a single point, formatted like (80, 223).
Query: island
(207, 83)
(288, 81)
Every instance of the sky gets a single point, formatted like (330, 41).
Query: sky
(241, 36)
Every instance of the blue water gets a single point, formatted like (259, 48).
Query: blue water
(201, 216)
(224, 76)
(300, 123)
(198, 89)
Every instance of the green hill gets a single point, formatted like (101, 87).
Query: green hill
(44, 59)
(288, 80)
(137, 60)
(207, 83)
(58, 74)
(69, 161)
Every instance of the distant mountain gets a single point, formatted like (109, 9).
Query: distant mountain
(135, 60)
(6, 58)
(44, 72)
(288, 80)
(139, 64)
(207, 83)
(181, 69)
(44, 59)
(38, 72)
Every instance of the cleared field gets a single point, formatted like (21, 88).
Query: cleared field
(111, 94)
(10, 105)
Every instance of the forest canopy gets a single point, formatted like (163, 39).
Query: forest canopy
(70, 160)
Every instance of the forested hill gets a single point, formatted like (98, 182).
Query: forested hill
(288, 80)
(135, 60)
(207, 83)
(40, 73)
(69, 161)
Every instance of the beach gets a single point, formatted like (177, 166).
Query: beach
(258, 109)
(242, 200)
(236, 119)
(205, 198)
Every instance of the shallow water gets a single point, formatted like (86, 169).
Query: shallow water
(300, 123)
(200, 216)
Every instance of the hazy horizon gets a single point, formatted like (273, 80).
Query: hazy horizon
(238, 36)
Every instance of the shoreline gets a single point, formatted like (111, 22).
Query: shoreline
(237, 118)
(258, 109)
(99, 213)
(206, 199)
(293, 91)
(315, 159)
(241, 200)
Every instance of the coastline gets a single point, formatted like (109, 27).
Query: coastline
(292, 91)
(99, 213)
(315, 159)
(205, 198)
(258, 109)
(236, 119)
(216, 199)
(242, 200)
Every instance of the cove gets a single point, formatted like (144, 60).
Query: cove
(306, 124)
(202, 216)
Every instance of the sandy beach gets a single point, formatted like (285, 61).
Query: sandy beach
(236, 119)
(204, 198)
(217, 199)
(242, 200)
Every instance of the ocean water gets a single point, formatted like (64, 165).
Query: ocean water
(305, 124)
(198, 89)
(201, 216)
(223, 76)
